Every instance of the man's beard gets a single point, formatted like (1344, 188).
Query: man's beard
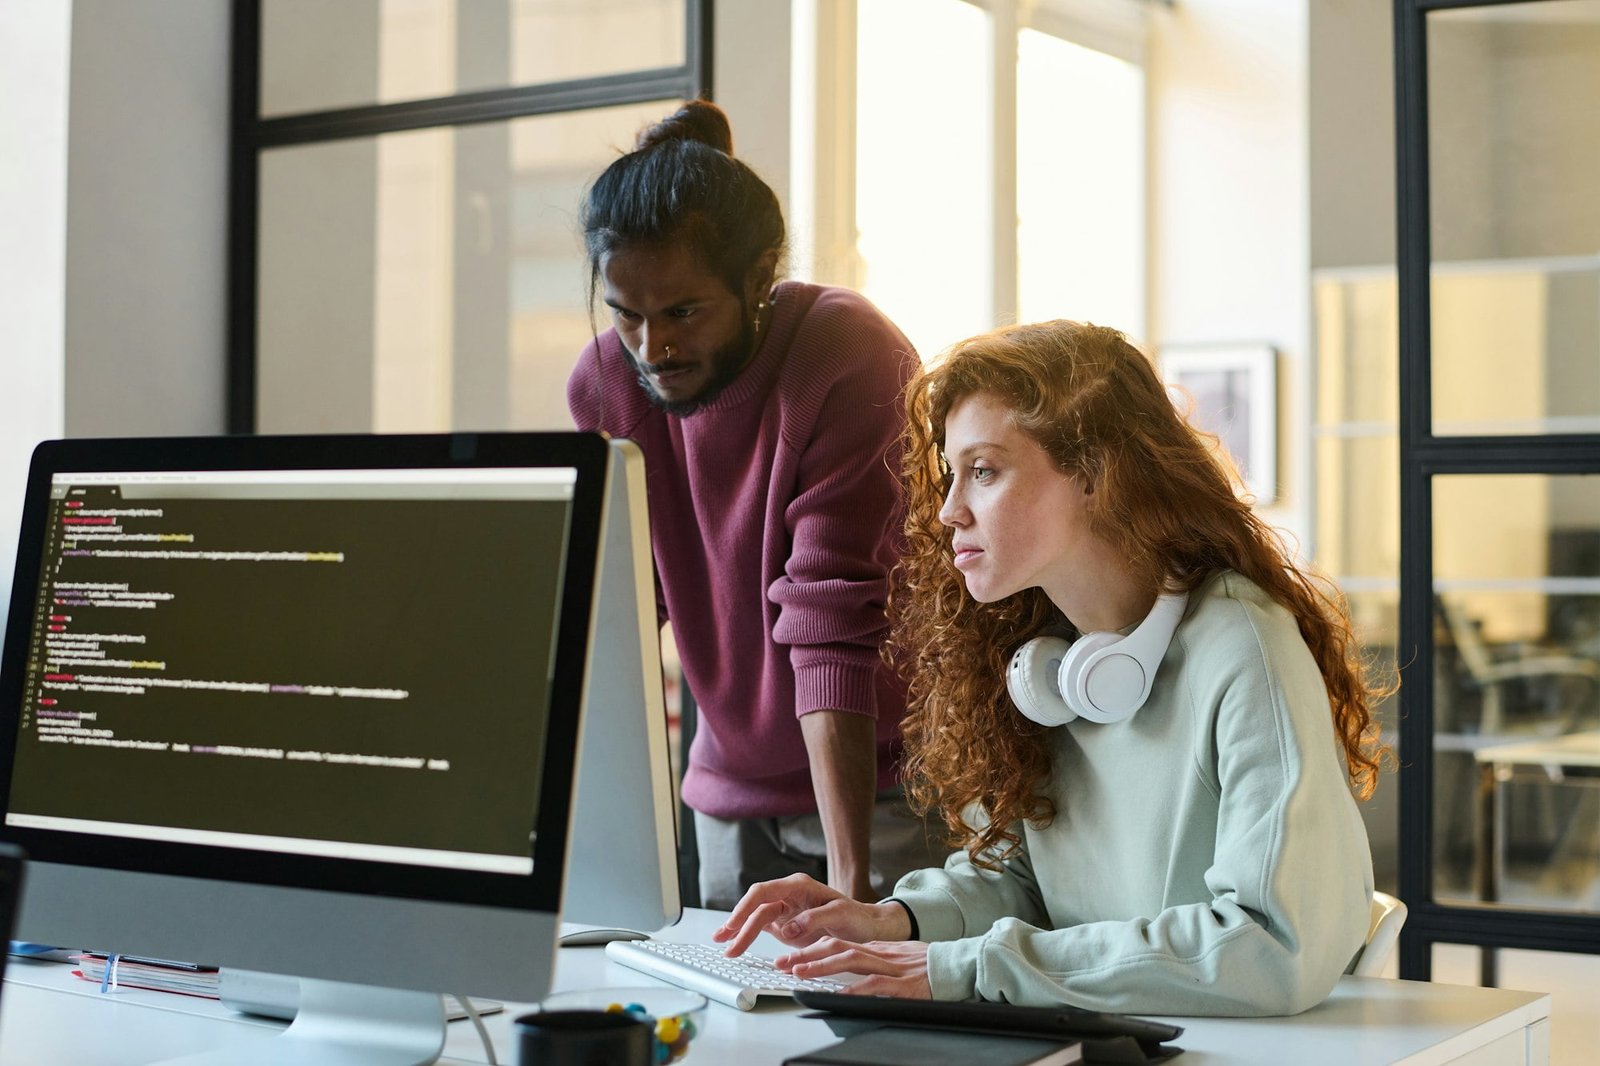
(727, 363)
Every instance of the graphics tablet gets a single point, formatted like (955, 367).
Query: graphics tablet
(1100, 1032)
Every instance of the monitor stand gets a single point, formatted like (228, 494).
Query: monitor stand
(341, 1024)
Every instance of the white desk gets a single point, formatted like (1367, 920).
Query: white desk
(51, 1017)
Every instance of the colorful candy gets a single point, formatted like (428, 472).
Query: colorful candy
(673, 1033)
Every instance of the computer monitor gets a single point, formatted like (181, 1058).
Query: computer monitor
(305, 705)
(623, 868)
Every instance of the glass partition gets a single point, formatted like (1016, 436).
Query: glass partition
(1516, 603)
(1514, 147)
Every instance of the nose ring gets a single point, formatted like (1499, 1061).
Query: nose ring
(666, 350)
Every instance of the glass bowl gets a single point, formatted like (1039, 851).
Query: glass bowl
(676, 1013)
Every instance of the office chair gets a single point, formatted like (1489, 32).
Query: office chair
(1383, 932)
(1491, 677)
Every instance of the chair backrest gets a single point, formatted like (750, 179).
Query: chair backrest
(1467, 638)
(1383, 932)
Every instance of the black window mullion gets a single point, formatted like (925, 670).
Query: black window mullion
(1501, 927)
(1442, 5)
(1569, 454)
(1415, 654)
(243, 203)
(699, 42)
(490, 105)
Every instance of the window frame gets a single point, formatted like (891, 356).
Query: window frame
(250, 135)
(1423, 457)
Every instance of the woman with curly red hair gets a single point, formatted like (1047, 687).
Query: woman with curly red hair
(1146, 725)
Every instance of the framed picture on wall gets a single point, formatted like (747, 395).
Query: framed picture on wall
(1233, 390)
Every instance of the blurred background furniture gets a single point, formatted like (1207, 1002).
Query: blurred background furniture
(1563, 774)
(1517, 689)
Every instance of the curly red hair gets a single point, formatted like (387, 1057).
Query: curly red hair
(1162, 498)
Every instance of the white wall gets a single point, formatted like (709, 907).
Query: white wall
(1229, 214)
(750, 80)
(146, 293)
(113, 205)
(1351, 105)
(34, 53)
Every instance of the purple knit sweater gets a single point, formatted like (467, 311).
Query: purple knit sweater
(774, 515)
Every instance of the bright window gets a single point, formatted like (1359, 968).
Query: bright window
(1080, 184)
(923, 183)
(1000, 169)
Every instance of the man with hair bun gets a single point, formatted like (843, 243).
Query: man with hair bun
(766, 413)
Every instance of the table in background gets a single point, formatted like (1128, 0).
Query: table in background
(49, 1016)
(1569, 758)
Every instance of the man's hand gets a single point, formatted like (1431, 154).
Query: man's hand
(843, 751)
(800, 911)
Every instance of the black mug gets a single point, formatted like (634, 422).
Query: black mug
(584, 1038)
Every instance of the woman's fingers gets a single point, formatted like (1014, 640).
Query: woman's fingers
(765, 905)
(801, 912)
(909, 987)
(832, 955)
(761, 917)
(842, 919)
(758, 895)
(822, 948)
(850, 960)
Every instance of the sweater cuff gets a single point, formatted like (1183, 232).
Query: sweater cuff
(953, 968)
(939, 917)
(831, 685)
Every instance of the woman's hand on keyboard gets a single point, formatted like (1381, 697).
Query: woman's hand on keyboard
(800, 911)
(888, 968)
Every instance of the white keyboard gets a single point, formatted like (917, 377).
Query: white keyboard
(703, 968)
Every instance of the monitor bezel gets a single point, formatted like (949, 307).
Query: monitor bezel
(540, 890)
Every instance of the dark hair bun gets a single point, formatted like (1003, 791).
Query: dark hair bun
(697, 120)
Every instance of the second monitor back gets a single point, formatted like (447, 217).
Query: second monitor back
(623, 864)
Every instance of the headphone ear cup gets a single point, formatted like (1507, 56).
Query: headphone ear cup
(1100, 677)
(1034, 681)
(1106, 677)
(1082, 655)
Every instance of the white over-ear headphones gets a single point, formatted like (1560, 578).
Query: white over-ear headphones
(1103, 677)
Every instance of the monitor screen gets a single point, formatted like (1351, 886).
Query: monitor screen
(269, 697)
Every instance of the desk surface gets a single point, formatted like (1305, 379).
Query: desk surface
(1569, 749)
(46, 1016)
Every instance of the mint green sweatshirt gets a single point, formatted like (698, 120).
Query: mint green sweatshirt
(1207, 856)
